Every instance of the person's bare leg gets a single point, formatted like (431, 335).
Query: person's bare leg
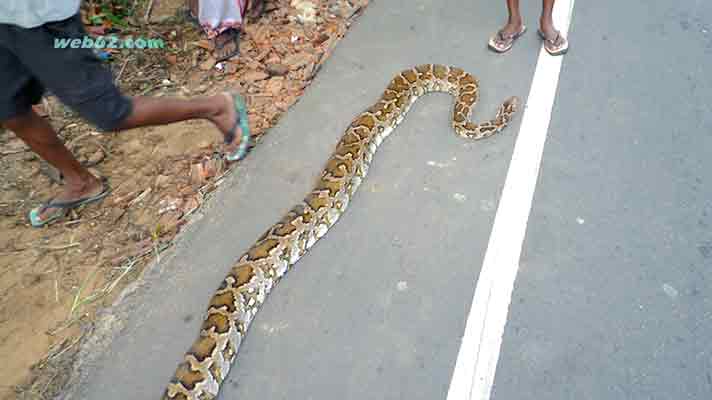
(546, 21)
(218, 109)
(555, 44)
(39, 135)
(148, 111)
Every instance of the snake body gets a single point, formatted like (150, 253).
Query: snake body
(244, 289)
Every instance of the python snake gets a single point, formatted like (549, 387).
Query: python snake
(244, 289)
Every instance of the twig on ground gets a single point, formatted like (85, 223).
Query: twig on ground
(78, 301)
(46, 386)
(57, 248)
(121, 72)
(149, 7)
(139, 197)
(66, 348)
(113, 284)
(9, 152)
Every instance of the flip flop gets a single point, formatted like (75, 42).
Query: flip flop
(245, 143)
(63, 207)
(509, 40)
(553, 50)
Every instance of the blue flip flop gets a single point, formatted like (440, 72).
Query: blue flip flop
(63, 207)
(242, 121)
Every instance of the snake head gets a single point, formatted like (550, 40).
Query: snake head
(511, 105)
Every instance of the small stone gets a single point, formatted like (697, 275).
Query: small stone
(255, 76)
(670, 291)
(277, 69)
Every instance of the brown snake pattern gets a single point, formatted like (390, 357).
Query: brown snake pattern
(244, 289)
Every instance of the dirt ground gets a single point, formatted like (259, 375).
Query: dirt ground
(54, 279)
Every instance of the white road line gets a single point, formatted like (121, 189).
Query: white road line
(477, 359)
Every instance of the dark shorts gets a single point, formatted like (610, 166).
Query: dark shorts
(30, 65)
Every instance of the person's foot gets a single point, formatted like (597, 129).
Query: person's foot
(192, 11)
(227, 119)
(256, 9)
(227, 45)
(504, 39)
(73, 192)
(554, 43)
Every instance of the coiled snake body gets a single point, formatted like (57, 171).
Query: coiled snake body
(244, 289)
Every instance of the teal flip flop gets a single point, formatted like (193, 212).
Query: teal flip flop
(245, 144)
(63, 207)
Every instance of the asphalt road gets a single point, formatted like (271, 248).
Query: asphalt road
(613, 297)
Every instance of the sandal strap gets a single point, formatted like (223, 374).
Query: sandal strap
(501, 36)
(555, 40)
(60, 204)
(511, 37)
(225, 37)
(74, 203)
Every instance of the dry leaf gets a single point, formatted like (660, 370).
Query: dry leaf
(187, 191)
(197, 174)
(296, 61)
(96, 30)
(207, 64)
(162, 181)
(206, 44)
(246, 46)
(261, 34)
(168, 223)
(323, 37)
(190, 204)
(213, 167)
(277, 69)
(274, 85)
(264, 53)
